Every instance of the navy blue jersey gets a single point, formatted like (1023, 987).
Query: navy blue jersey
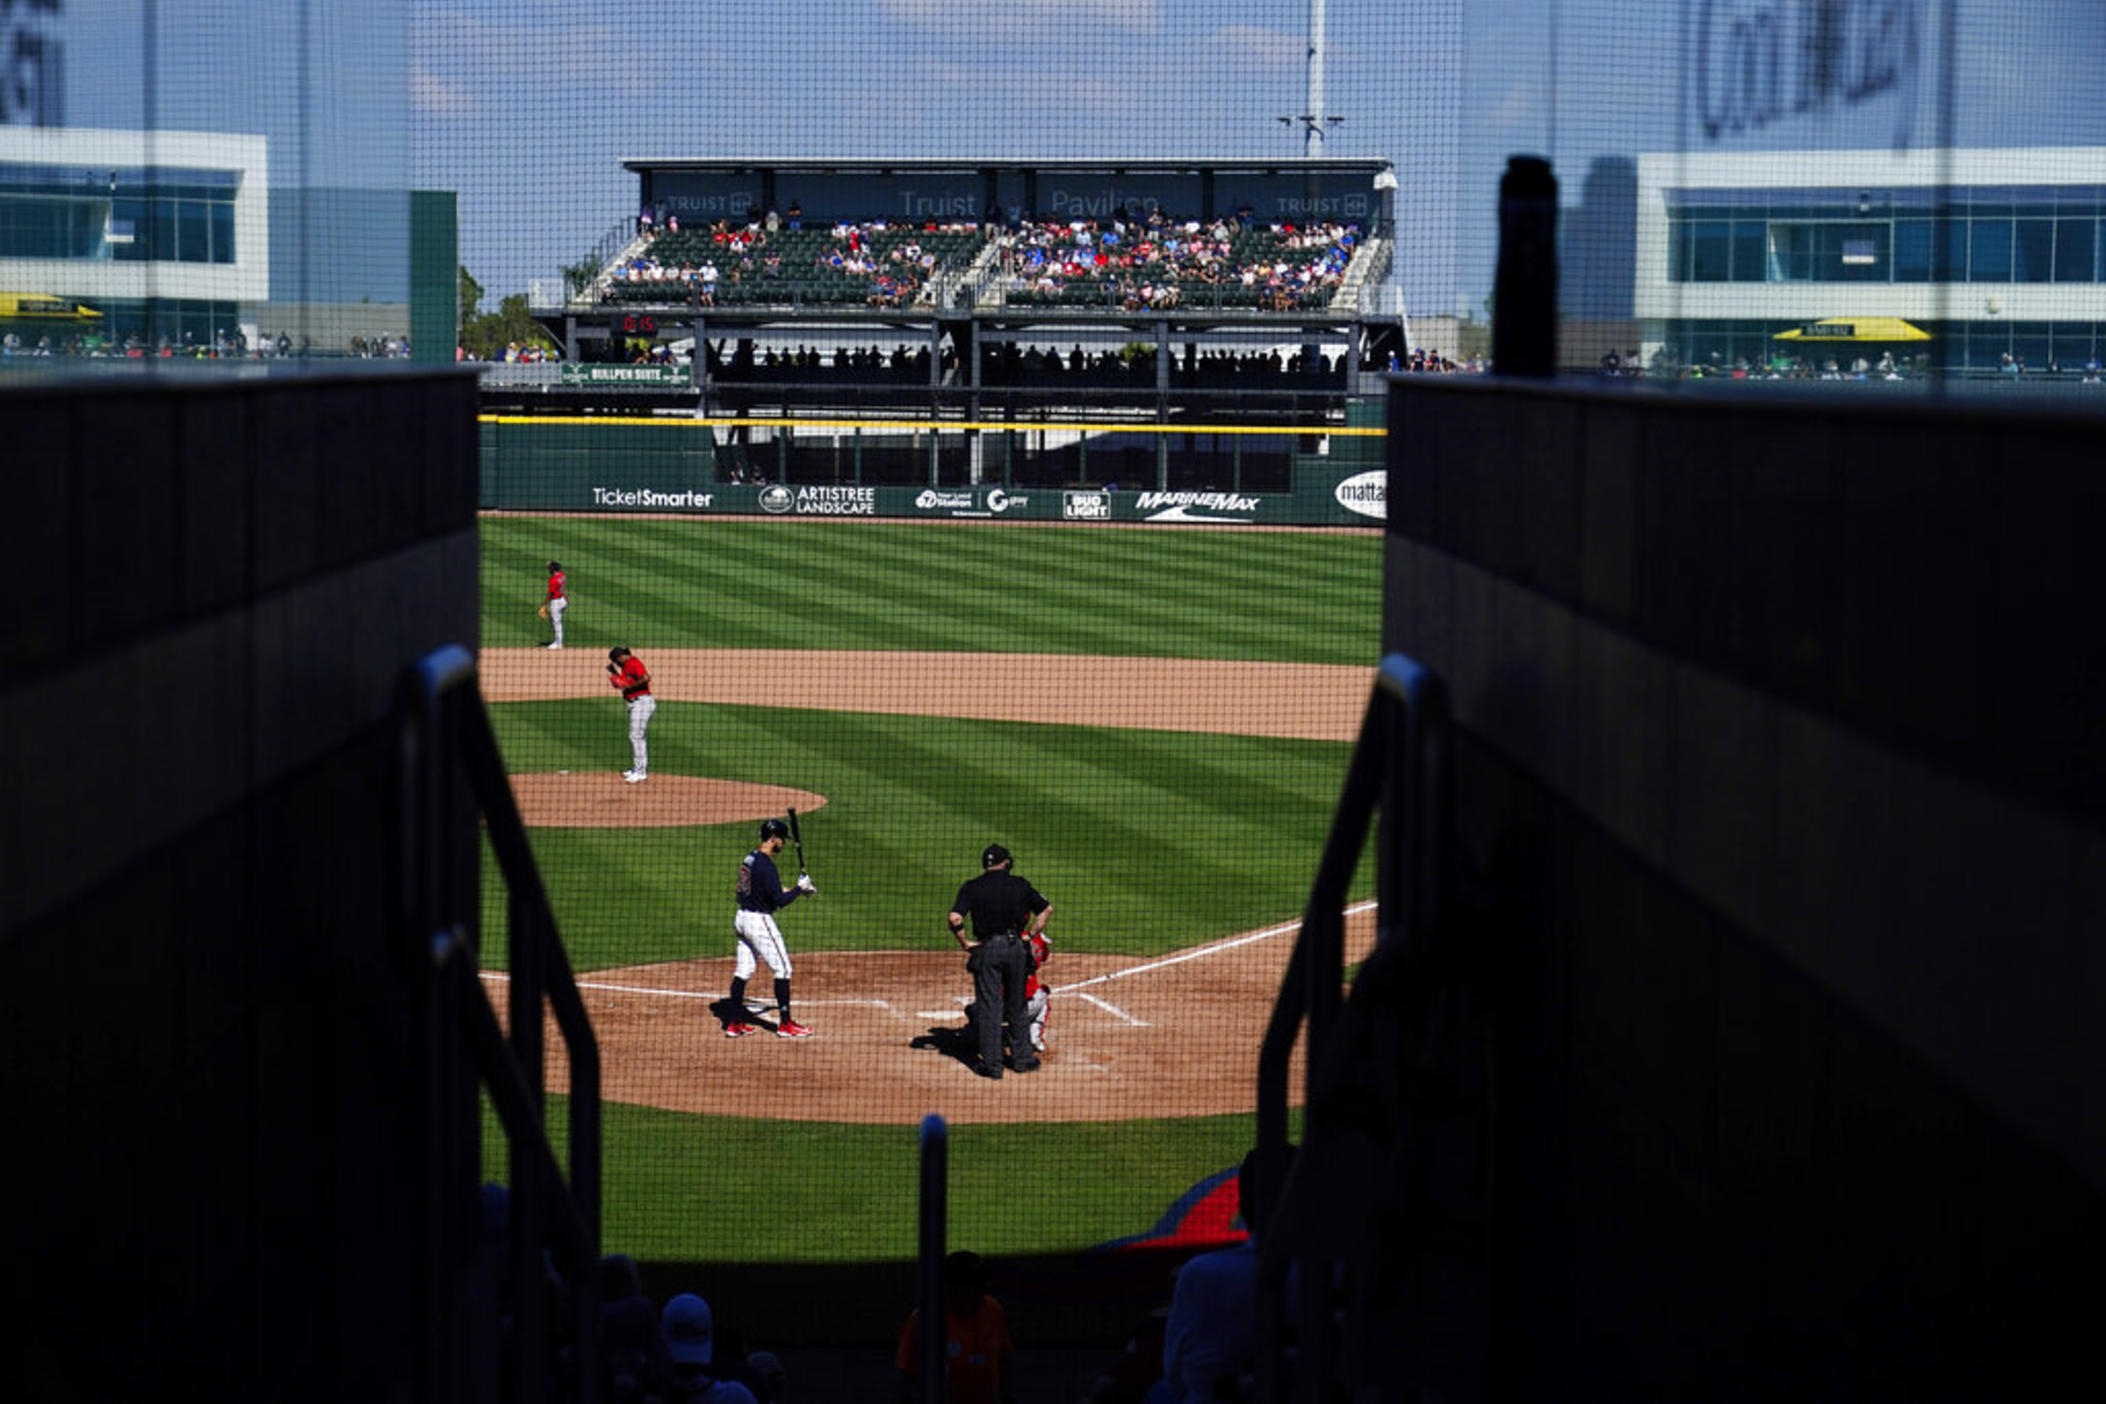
(760, 887)
(999, 903)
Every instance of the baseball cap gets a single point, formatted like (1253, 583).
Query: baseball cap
(993, 854)
(690, 1331)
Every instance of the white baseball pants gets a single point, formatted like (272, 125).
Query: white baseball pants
(640, 709)
(760, 937)
(555, 617)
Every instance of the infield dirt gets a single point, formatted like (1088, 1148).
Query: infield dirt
(1128, 1037)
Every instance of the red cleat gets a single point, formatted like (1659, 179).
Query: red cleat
(739, 1030)
(790, 1028)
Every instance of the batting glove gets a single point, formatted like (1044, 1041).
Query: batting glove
(804, 883)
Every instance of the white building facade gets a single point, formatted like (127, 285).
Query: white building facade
(1999, 254)
(165, 234)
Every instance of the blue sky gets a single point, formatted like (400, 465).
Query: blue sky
(527, 107)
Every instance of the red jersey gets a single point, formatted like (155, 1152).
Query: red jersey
(555, 585)
(634, 680)
(1039, 949)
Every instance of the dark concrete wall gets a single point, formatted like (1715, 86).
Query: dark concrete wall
(1780, 741)
(208, 1050)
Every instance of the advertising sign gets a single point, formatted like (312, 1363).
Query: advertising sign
(1365, 493)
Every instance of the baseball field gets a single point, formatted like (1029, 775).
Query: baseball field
(1155, 720)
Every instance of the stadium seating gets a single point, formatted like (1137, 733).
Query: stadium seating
(1275, 268)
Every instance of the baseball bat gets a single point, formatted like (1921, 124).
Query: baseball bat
(797, 838)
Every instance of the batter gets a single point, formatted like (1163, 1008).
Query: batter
(760, 895)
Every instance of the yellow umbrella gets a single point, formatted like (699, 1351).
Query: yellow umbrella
(1855, 329)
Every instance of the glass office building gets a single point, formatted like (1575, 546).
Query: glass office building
(1998, 255)
(152, 240)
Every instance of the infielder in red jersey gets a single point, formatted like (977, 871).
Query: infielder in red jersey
(627, 675)
(558, 600)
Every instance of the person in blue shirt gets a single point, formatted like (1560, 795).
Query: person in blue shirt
(761, 895)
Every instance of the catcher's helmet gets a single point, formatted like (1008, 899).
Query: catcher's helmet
(993, 856)
(773, 828)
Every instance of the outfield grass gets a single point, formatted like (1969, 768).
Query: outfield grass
(1145, 841)
(682, 1187)
(1307, 597)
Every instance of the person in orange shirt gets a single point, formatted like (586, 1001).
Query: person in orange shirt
(979, 1364)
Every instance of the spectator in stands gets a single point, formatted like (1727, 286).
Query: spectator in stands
(690, 1334)
(1138, 1371)
(796, 215)
(981, 1367)
(765, 1376)
(634, 1357)
(1210, 1341)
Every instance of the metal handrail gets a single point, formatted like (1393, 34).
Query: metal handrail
(932, 1336)
(446, 734)
(1400, 765)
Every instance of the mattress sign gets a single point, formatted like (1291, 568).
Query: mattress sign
(1366, 493)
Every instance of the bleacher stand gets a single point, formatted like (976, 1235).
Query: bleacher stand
(1131, 262)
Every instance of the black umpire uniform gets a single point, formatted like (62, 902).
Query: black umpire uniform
(1003, 907)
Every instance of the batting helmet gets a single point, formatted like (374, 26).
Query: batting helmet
(993, 856)
(773, 828)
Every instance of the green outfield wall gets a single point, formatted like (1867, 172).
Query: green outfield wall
(635, 464)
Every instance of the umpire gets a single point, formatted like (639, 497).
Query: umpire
(1005, 909)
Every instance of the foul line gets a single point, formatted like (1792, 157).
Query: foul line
(1196, 952)
(691, 994)
(1115, 1011)
(1075, 989)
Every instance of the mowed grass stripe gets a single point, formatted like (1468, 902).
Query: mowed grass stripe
(1145, 841)
(1290, 596)
(1093, 1182)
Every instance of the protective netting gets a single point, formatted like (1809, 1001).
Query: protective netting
(1072, 300)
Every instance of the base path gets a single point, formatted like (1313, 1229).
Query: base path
(1316, 701)
(1165, 1036)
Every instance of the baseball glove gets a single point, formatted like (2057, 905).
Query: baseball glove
(543, 611)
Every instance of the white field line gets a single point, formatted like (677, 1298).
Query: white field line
(1116, 1012)
(697, 994)
(1197, 951)
(1075, 989)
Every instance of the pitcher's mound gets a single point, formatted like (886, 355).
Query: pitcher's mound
(603, 800)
